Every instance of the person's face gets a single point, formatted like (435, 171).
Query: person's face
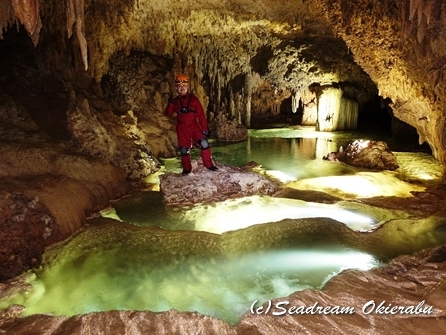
(182, 88)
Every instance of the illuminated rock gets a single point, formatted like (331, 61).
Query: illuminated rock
(202, 185)
(335, 111)
(118, 139)
(374, 155)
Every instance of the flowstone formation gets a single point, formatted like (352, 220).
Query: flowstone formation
(47, 191)
(414, 284)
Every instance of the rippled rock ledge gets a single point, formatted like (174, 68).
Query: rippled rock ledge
(415, 285)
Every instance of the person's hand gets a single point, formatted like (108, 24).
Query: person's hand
(170, 99)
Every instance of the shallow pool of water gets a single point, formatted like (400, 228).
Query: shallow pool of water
(114, 266)
(204, 258)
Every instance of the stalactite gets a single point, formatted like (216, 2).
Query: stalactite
(27, 11)
(348, 115)
(428, 9)
(414, 8)
(71, 18)
(7, 16)
(248, 96)
(23, 11)
(422, 28)
(75, 16)
(422, 11)
(295, 99)
(407, 25)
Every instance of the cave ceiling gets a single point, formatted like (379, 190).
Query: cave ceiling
(219, 38)
(392, 48)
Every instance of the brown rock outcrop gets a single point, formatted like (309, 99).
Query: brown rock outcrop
(26, 226)
(374, 155)
(48, 189)
(117, 139)
(202, 185)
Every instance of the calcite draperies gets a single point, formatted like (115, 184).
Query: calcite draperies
(75, 16)
(27, 13)
(418, 13)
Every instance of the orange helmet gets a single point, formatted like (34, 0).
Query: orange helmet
(182, 79)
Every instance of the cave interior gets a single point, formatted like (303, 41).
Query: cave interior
(84, 84)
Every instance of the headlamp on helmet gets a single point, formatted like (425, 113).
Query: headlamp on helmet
(182, 80)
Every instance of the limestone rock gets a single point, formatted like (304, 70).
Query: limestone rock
(12, 114)
(373, 155)
(202, 185)
(118, 139)
(226, 130)
(25, 224)
(47, 191)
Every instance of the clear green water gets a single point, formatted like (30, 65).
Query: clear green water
(200, 260)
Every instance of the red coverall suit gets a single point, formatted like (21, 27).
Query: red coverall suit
(191, 125)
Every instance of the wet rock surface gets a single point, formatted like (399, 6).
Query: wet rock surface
(374, 155)
(422, 204)
(203, 185)
(26, 227)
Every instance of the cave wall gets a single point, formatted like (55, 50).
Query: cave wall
(233, 49)
(402, 46)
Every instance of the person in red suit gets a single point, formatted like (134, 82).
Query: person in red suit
(191, 124)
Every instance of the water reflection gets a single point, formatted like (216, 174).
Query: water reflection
(298, 153)
(200, 259)
(240, 213)
(114, 266)
(297, 158)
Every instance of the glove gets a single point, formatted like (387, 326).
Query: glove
(170, 99)
(206, 133)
